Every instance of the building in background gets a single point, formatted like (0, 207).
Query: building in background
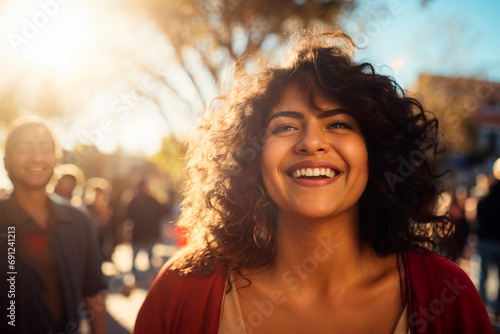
(468, 110)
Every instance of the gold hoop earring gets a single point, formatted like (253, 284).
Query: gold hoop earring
(261, 236)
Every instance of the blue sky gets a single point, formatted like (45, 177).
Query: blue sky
(444, 37)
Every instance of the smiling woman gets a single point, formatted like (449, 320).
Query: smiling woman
(299, 216)
(304, 140)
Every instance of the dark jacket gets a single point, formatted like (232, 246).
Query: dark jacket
(72, 243)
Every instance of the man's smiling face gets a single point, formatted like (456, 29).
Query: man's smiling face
(31, 158)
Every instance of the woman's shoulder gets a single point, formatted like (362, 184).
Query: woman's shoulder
(439, 266)
(170, 276)
(430, 270)
(440, 289)
(176, 298)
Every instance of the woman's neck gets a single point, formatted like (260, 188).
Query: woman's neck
(325, 255)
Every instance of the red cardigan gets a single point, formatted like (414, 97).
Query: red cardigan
(441, 299)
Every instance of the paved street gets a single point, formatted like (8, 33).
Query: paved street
(123, 310)
(125, 295)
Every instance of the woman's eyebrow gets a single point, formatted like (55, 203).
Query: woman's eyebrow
(289, 114)
(333, 112)
(299, 115)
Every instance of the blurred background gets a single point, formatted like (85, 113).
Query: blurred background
(123, 82)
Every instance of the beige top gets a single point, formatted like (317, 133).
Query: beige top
(232, 319)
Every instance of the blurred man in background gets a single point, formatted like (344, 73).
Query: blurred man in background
(68, 187)
(65, 186)
(145, 212)
(56, 267)
(488, 232)
(97, 199)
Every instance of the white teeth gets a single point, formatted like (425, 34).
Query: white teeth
(314, 172)
(36, 169)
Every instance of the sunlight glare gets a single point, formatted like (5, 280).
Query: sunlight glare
(397, 64)
(51, 34)
(142, 133)
(63, 43)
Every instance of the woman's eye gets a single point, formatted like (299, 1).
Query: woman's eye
(339, 125)
(284, 128)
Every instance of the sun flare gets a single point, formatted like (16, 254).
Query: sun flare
(53, 34)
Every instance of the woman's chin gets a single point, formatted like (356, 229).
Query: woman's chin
(320, 212)
(313, 214)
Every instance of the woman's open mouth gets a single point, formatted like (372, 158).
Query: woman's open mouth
(314, 177)
(314, 173)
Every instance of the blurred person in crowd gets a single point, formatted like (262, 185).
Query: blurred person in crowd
(65, 186)
(145, 212)
(457, 213)
(310, 206)
(481, 187)
(97, 199)
(57, 265)
(69, 177)
(488, 232)
(180, 234)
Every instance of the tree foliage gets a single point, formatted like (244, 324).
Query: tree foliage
(169, 158)
(458, 103)
(8, 106)
(13, 103)
(213, 33)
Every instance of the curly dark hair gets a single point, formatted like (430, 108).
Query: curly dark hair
(227, 212)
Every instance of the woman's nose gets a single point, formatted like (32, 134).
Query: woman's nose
(313, 141)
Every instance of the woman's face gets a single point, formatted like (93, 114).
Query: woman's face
(314, 163)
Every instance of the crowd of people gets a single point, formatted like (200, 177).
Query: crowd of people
(61, 238)
(295, 218)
